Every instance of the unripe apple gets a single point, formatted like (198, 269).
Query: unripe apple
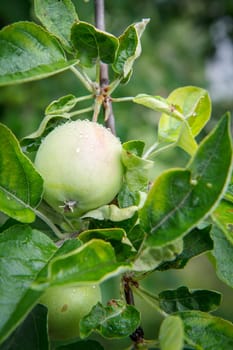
(80, 162)
(66, 306)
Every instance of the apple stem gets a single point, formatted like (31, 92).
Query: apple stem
(104, 76)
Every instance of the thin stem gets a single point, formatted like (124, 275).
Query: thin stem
(129, 297)
(97, 108)
(83, 78)
(122, 99)
(81, 111)
(179, 116)
(150, 299)
(100, 24)
(50, 224)
(83, 98)
(151, 152)
(97, 72)
(99, 14)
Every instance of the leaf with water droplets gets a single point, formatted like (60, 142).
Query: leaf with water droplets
(28, 52)
(50, 12)
(21, 186)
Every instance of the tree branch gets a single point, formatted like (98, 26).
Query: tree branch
(104, 76)
(138, 335)
(99, 14)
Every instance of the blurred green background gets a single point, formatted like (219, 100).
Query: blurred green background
(186, 43)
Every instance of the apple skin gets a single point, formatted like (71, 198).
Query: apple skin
(80, 162)
(66, 306)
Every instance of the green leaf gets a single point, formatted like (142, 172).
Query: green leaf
(206, 331)
(93, 44)
(185, 139)
(28, 52)
(116, 236)
(128, 43)
(182, 299)
(181, 198)
(67, 246)
(159, 104)
(31, 333)
(223, 253)
(136, 236)
(223, 217)
(55, 114)
(196, 242)
(62, 105)
(180, 136)
(150, 257)
(82, 345)
(108, 234)
(137, 168)
(112, 213)
(126, 224)
(21, 186)
(195, 106)
(127, 198)
(57, 17)
(171, 333)
(24, 253)
(135, 147)
(93, 262)
(116, 320)
(129, 48)
(185, 113)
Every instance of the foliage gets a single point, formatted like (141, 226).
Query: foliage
(153, 224)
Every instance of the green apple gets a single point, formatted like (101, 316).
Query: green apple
(66, 306)
(80, 162)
